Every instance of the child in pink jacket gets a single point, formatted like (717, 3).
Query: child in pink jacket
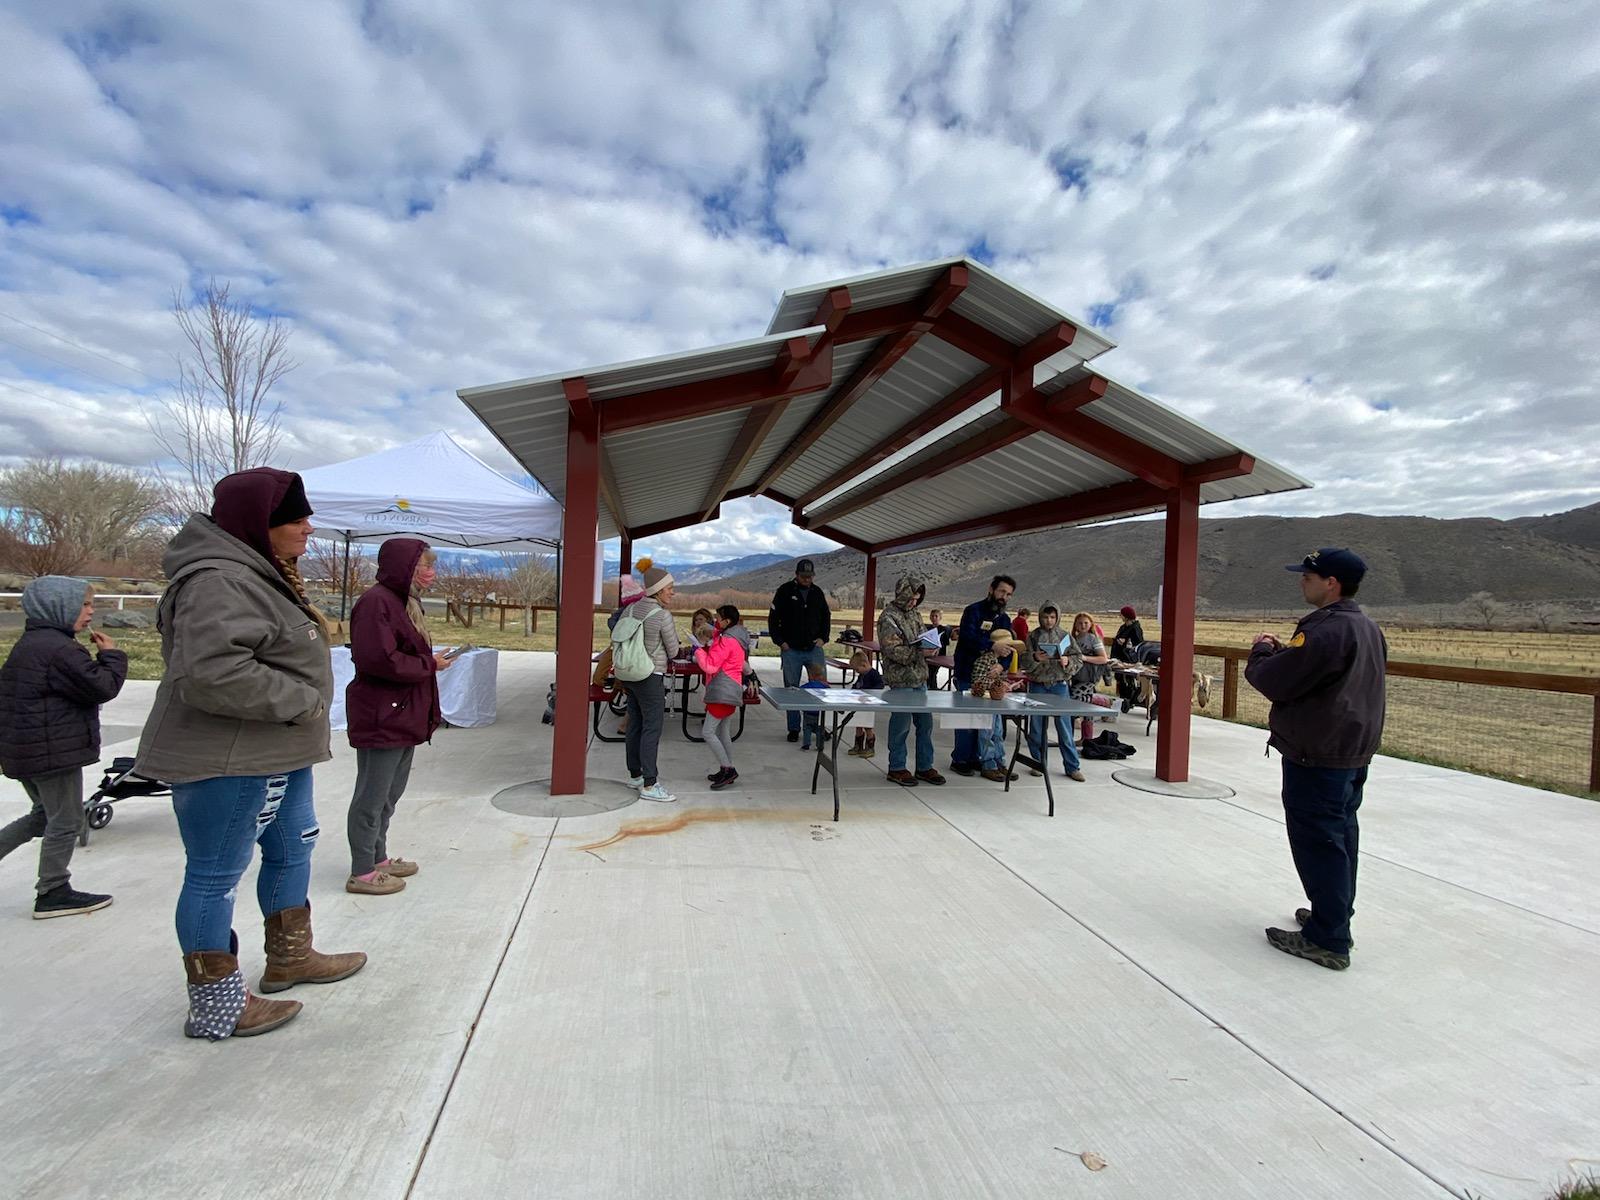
(722, 661)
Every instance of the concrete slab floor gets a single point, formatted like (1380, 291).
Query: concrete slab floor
(944, 994)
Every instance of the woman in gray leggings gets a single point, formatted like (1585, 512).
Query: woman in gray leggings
(722, 662)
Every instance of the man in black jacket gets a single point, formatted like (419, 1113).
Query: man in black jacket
(51, 690)
(801, 623)
(1326, 684)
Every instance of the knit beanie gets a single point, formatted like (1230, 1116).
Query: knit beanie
(655, 578)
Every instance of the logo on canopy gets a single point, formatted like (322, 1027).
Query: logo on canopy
(399, 513)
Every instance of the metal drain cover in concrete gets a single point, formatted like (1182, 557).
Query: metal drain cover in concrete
(533, 799)
(1190, 789)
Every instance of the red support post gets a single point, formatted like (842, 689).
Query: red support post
(1179, 589)
(869, 600)
(575, 642)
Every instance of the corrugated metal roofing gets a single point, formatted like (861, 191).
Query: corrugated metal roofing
(664, 472)
(1002, 307)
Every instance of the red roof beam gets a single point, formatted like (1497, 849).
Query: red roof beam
(705, 397)
(656, 528)
(1105, 443)
(1052, 341)
(877, 364)
(1229, 466)
(953, 405)
(1114, 501)
(758, 424)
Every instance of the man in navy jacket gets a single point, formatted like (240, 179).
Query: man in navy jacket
(978, 621)
(1326, 684)
(801, 622)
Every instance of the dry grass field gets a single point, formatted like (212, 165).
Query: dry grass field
(1540, 738)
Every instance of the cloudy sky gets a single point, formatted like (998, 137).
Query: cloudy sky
(1363, 240)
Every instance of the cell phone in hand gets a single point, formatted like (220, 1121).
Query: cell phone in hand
(456, 652)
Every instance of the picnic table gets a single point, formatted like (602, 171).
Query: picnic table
(838, 710)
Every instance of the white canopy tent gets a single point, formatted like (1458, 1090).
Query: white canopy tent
(431, 489)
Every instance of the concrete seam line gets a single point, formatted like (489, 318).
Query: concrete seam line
(455, 1074)
(1192, 1004)
(1532, 912)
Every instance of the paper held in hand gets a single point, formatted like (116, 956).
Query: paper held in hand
(845, 696)
(929, 638)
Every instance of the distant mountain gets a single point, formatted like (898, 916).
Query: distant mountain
(697, 573)
(1580, 527)
(1412, 561)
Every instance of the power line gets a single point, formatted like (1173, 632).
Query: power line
(71, 366)
(59, 403)
(76, 345)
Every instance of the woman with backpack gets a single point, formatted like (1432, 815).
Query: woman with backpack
(643, 640)
(721, 660)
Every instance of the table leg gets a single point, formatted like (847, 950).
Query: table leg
(1017, 756)
(828, 756)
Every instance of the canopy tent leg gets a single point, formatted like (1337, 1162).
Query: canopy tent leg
(1179, 590)
(575, 636)
(344, 583)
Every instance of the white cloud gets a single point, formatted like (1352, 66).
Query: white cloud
(1356, 243)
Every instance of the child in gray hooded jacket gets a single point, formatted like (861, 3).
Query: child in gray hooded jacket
(51, 689)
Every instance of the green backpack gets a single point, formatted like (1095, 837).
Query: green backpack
(630, 661)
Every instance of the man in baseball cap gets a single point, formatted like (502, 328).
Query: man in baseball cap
(801, 622)
(1326, 684)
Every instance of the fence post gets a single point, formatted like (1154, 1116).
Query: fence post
(1230, 688)
(502, 609)
(1594, 747)
(535, 618)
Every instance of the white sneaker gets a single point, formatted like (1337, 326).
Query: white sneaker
(636, 782)
(656, 792)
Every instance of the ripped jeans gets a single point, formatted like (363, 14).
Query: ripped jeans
(220, 820)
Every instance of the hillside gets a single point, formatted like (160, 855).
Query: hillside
(1414, 561)
(1579, 527)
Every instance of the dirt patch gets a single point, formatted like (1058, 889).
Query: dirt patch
(655, 826)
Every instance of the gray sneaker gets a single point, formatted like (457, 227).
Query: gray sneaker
(1302, 918)
(657, 793)
(1292, 941)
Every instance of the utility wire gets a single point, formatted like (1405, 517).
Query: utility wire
(71, 366)
(77, 346)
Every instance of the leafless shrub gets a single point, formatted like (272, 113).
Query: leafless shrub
(58, 517)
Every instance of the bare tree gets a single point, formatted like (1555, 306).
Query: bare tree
(461, 587)
(1544, 615)
(221, 419)
(1485, 608)
(528, 579)
(58, 517)
(323, 565)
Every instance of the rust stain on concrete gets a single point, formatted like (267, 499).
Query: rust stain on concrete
(655, 826)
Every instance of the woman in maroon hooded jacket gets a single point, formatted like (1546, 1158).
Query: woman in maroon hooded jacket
(391, 706)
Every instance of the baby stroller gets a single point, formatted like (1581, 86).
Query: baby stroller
(118, 783)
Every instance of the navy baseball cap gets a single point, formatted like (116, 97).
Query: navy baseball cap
(1332, 562)
(805, 567)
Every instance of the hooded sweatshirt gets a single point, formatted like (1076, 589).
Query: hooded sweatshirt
(393, 701)
(722, 663)
(51, 688)
(248, 679)
(899, 627)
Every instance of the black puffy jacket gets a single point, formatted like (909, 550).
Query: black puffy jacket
(51, 690)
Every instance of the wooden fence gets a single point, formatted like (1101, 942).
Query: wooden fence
(1532, 681)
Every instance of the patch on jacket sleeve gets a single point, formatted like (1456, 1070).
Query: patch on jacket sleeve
(1298, 639)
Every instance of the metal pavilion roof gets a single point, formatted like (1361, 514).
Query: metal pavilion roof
(835, 413)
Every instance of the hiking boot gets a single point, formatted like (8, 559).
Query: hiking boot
(716, 775)
(931, 776)
(220, 1005)
(995, 775)
(657, 793)
(292, 959)
(403, 867)
(903, 777)
(857, 752)
(794, 735)
(1035, 772)
(964, 768)
(1076, 776)
(1292, 941)
(381, 884)
(62, 901)
(728, 777)
(1302, 917)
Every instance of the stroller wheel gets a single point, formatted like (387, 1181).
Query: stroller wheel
(1127, 706)
(99, 816)
(618, 703)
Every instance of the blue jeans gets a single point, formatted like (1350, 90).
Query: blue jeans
(794, 674)
(991, 745)
(1319, 808)
(966, 750)
(220, 821)
(1036, 731)
(900, 724)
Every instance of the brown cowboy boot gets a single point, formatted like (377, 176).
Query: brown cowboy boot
(292, 959)
(221, 1006)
